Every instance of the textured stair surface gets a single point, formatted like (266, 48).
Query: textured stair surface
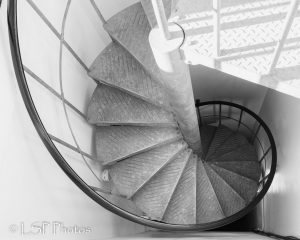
(116, 67)
(148, 8)
(249, 169)
(131, 29)
(245, 187)
(131, 174)
(230, 201)
(235, 141)
(110, 106)
(138, 141)
(115, 143)
(243, 153)
(207, 135)
(208, 206)
(222, 134)
(182, 206)
(154, 197)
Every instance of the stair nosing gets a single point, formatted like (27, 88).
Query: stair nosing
(213, 163)
(149, 100)
(223, 214)
(172, 140)
(246, 178)
(176, 185)
(119, 42)
(210, 141)
(207, 158)
(159, 170)
(154, 124)
(211, 158)
(226, 183)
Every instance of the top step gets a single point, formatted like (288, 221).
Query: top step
(131, 29)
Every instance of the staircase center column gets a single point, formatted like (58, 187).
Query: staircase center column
(165, 41)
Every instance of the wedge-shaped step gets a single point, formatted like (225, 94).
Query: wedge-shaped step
(182, 206)
(208, 206)
(235, 141)
(116, 67)
(245, 187)
(148, 8)
(230, 201)
(222, 135)
(243, 153)
(207, 135)
(133, 173)
(249, 169)
(110, 106)
(115, 143)
(131, 29)
(155, 195)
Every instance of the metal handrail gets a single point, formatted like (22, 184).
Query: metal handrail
(92, 191)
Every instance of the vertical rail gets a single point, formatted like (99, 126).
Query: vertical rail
(198, 112)
(240, 120)
(216, 26)
(287, 26)
(256, 133)
(220, 114)
(161, 18)
(98, 11)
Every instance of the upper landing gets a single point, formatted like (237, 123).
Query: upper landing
(247, 34)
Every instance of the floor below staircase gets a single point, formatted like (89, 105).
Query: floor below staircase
(157, 235)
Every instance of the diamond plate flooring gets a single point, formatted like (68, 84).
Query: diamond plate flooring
(110, 106)
(249, 33)
(131, 29)
(116, 67)
(116, 143)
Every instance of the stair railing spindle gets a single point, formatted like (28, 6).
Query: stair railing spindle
(161, 18)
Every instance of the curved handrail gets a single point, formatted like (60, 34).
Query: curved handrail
(20, 75)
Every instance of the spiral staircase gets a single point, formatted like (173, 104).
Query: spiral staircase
(139, 143)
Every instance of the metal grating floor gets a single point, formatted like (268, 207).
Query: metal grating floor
(250, 30)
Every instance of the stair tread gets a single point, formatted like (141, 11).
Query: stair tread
(155, 195)
(115, 143)
(221, 135)
(208, 206)
(116, 67)
(112, 106)
(148, 8)
(242, 153)
(245, 187)
(131, 29)
(233, 141)
(207, 134)
(182, 206)
(131, 174)
(249, 169)
(230, 201)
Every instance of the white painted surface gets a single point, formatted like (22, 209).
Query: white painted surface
(34, 188)
(249, 33)
(210, 84)
(193, 236)
(281, 206)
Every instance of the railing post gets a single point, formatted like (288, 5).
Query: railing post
(161, 18)
(287, 26)
(175, 76)
(216, 27)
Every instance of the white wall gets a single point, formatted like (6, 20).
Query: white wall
(210, 84)
(281, 205)
(33, 187)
